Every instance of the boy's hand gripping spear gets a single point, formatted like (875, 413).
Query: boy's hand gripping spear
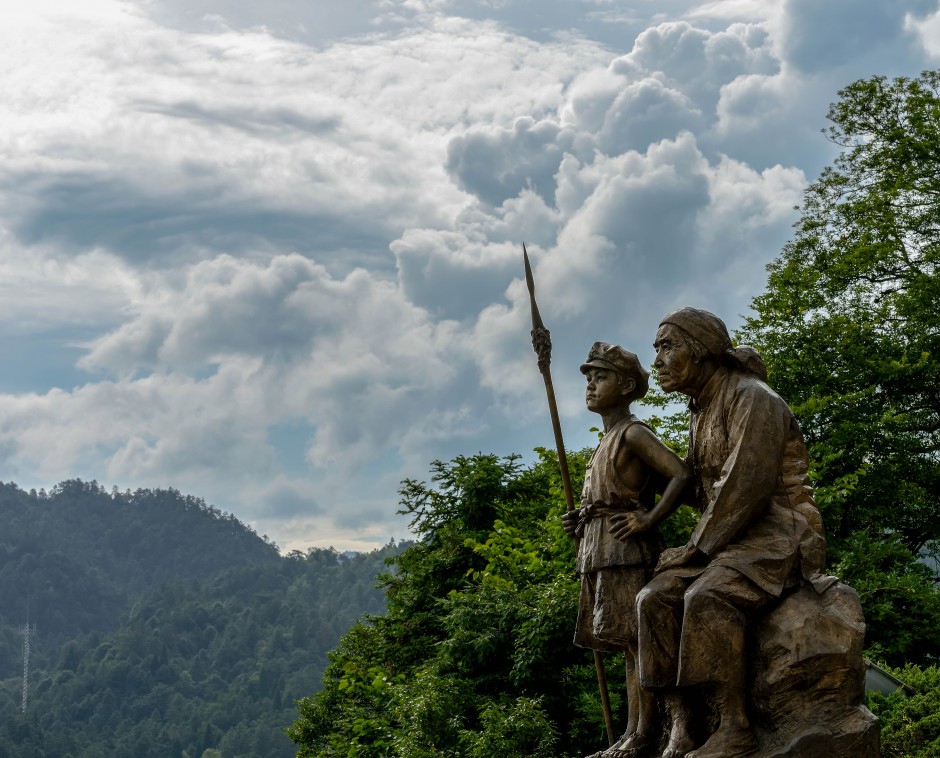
(542, 344)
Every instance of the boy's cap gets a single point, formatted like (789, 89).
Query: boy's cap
(615, 358)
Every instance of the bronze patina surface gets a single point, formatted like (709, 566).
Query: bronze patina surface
(616, 526)
(729, 627)
(739, 637)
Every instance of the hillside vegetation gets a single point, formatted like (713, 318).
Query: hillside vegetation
(163, 627)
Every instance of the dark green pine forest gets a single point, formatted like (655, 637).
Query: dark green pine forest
(162, 626)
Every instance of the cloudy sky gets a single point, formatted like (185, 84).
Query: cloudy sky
(270, 253)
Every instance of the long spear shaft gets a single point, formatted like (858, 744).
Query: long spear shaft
(542, 344)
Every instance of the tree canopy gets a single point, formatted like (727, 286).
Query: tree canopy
(849, 327)
(473, 656)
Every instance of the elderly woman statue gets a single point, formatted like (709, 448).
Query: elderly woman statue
(759, 535)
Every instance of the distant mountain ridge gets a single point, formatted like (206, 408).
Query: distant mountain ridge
(80, 552)
(165, 626)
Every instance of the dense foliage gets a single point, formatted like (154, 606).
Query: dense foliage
(473, 656)
(910, 722)
(163, 626)
(849, 327)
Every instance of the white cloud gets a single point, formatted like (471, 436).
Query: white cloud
(734, 10)
(645, 232)
(696, 61)
(815, 36)
(927, 29)
(41, 291)
(497, 163)
(281, 340)
(286, 339)
(452, 274)
(170, 145)
(297, 267)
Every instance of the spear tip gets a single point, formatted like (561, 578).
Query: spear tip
(530, 283)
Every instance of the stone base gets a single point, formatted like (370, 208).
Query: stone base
(857, 736)
(807, 680)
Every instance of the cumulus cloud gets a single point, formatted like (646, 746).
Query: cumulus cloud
(814, 36)
(496, 163)
(286, 268)
(177, 145)
(448, 274)
(349, 355)
(645, 233)
(696, 61)
(225, 307)
(927, 30)
(283, 340)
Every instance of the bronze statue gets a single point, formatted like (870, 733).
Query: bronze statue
(739, 636)
(542, 344)
(616, 527)
(760, 534)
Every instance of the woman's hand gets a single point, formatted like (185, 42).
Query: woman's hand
(674, 557)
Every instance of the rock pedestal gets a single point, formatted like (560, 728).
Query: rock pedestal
(808, 680)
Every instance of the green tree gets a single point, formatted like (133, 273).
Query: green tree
(473, 656)
(849, 327)
(910, 724)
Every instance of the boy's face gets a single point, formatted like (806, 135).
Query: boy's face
(604, 390)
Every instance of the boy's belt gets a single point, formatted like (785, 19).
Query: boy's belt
(590, 511)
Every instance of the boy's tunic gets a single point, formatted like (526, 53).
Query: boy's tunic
(612, 571)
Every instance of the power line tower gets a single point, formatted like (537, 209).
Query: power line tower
(27, 631)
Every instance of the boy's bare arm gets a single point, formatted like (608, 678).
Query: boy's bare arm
(649, 448)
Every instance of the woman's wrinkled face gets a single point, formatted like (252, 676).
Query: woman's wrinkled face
(675, 360)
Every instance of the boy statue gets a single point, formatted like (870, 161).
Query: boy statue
(616, 525)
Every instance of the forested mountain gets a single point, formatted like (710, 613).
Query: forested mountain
(163, 627)
(79, 555)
